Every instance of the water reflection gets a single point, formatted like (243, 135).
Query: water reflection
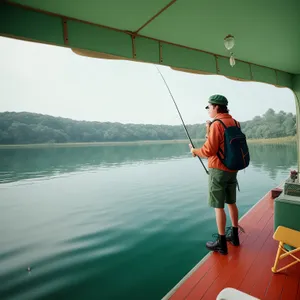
(272, 159)
(22, 163)
(17, 164)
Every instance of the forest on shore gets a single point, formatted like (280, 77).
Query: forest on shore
(33, 128)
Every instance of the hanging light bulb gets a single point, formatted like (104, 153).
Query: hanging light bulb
(229, 41)
(232, 60)
(229, 44)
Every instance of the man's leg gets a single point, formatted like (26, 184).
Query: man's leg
(221, 220)
(217, 201)
(234, 214)
(233, 234)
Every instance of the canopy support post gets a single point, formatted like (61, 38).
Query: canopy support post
(296, 89)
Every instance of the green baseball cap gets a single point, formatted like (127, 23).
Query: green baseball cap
(218, 100)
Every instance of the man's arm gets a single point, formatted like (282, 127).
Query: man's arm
(212, 144)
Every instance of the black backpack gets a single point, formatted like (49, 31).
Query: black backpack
(236, 153)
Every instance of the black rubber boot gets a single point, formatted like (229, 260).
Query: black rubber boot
(232, 236)
(219, 245)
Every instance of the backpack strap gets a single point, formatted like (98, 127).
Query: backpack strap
(236, 123)
(219, 150)
(220, 122)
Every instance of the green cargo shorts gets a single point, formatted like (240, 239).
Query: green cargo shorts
(222, 188)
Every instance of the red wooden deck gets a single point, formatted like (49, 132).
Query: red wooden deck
(246, 268)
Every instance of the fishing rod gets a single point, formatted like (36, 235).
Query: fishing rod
(181, 118)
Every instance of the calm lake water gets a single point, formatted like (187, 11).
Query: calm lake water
(125, 222)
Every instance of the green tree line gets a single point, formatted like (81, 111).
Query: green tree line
(32, 128)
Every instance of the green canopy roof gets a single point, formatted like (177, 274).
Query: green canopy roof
(184, 34)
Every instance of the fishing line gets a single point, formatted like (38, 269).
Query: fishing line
(181, 118)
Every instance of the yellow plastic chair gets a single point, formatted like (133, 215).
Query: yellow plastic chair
(286, 236)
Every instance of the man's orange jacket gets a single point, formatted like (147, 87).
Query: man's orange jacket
(215, 141)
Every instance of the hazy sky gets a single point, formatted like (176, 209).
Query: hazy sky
(55, 81)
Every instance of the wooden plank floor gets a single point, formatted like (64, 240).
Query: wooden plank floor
(246, 268)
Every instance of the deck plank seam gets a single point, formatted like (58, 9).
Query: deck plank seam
(285, 279)
(256, 257)
(257, 226)
(270, 282)
(240, 262)
(251, 293)
(269, 278)
(206, 273)
(298, 290)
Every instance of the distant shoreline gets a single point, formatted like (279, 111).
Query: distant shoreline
(97, 144)
(281, 140)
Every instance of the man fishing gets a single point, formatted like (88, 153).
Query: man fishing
(222, 180)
